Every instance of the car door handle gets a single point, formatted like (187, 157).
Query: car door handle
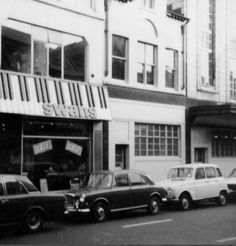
(4, 201)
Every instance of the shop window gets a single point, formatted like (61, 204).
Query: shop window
(157, 140)
(16, 50)
(51, 164)
(119, 57)
(146, 63)
(223, 143)
(171, 68)
(55, 54)
(10, 144)
(56, 128)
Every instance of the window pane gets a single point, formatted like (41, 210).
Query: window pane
(140, 77)
(150, 75)
(55, 60)
(118, 69)
(119, 46)
(16, 50)
(40, 58)
(149, 54)
(74, 58)
(141, 52)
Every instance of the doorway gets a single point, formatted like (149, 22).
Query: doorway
(200, 155)
(121, 156)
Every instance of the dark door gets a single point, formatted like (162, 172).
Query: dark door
(121, 156)
(140, 189)
(200, 155)
(16, 200)
(121, 195)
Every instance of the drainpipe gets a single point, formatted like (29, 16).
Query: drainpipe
(107, 22)
(184, 47)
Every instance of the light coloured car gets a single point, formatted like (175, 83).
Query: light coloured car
(231, 182)
(189, 183)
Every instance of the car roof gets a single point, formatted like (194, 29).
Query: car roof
(195, 165)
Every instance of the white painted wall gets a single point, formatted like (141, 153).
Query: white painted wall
(121, 131)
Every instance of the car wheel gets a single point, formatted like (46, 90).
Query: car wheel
(100, 212)
(154, 206)
(222, 199)
(34, 221)
(185, 202)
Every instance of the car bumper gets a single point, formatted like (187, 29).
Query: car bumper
(74, 210)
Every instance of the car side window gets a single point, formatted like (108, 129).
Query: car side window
(121, 180)
(14, 187)
(218, 172)
(136, 179)
(210, 172)
(200, 174)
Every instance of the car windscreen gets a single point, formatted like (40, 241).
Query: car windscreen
(99, 181)
(180, 173)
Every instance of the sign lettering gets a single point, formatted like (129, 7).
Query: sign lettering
(74, 148)
(42, 147)
(60, 110)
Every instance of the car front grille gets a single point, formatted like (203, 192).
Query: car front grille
(69, 201)
(232, 187)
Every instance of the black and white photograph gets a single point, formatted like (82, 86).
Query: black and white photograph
(118, 122)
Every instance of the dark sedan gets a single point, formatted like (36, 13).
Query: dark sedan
(112, 191)
(22, 203)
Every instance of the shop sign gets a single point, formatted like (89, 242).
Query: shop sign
(62, 110)
(42, 147)
(74, 148)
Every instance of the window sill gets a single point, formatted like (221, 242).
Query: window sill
(207, 88)
(140, 86)
(154, 158)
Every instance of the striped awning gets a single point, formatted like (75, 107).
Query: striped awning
(43, 96)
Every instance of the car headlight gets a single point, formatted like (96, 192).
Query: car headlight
(82, 198)
(170, 192)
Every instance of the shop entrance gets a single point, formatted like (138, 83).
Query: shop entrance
(200, 155)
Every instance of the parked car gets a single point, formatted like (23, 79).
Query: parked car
(104, 192)
(188, 183)
(231, 182)
(22, 203)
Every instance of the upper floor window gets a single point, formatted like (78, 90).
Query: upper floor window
(148, 3)
(171, 68)
(119, 57)
(146, 63)
(55, 54)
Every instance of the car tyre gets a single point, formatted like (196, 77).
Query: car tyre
(222, 199)
(34, 221)
(100, 212)
(185, 202)
(154, 206)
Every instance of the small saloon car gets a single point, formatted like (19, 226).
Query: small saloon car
(186, 184)
(22, 203)
(110, 191)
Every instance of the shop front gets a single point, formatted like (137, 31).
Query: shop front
(212, 135)
(51, 130)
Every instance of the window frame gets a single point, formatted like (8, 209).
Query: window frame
(123, 59)
(16, 26)
(175, 68)
(145, 64)
(159, 146)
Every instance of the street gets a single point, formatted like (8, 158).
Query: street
(206, 223)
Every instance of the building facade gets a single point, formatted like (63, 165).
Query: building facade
(210, 92)
(53, 107)
(146, 87)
